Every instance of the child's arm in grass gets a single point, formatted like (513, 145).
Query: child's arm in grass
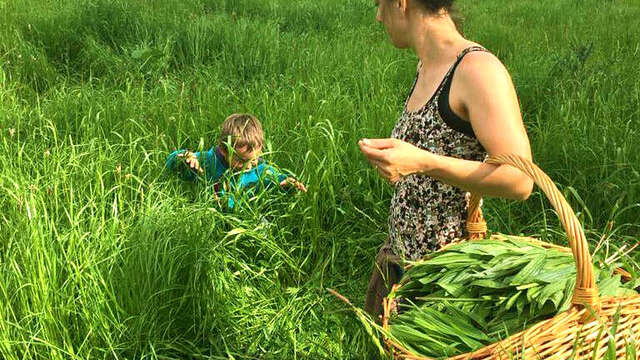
(273, 175)
(289, 181)
(185, 163)
(238, 186)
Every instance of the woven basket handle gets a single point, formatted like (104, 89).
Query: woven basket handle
(586, 290)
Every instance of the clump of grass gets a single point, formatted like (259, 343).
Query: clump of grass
(103, 257)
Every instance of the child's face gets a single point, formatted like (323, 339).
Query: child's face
(243, 159)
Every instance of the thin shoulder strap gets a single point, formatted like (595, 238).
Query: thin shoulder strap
(447, 76)
(446, 113)
(461, 56)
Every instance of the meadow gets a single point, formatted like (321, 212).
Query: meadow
(104, 256)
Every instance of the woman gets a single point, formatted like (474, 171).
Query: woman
(462, 107)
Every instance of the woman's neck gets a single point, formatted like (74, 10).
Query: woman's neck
(436, 40)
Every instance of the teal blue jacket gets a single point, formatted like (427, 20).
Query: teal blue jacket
(226, 183)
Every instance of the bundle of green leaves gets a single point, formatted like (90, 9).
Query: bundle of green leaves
(476, 293)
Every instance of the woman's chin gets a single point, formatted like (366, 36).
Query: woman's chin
(398, 43)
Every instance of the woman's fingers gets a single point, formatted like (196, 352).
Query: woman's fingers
(372, 153)
(386, 172)
(376, 151)
(382, 169)
(379, 144)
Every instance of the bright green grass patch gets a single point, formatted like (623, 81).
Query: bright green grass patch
(102, 256)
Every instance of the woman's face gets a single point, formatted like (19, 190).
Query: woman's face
(391, 15)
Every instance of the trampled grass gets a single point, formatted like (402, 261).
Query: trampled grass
(103, 256)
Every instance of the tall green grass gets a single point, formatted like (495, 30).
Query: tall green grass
(104, 256)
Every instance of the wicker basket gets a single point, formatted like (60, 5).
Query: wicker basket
(577, 333)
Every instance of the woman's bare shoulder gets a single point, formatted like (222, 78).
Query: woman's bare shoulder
(482, 67)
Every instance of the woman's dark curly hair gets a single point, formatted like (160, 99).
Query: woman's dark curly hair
(434, 6)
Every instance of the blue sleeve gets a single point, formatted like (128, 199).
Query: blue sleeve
(262, 176)
(271, 174)
(176, 165)
(247, 184)
(221, 193)
(231, 202)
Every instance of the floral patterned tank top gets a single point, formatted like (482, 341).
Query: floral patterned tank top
(426, 214)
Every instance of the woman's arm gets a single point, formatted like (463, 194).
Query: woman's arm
(485, 90)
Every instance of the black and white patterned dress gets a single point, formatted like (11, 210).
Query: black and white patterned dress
(426, 213)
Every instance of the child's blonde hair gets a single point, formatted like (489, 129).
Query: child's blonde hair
(241, 130)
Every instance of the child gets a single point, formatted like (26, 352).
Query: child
(234, 165)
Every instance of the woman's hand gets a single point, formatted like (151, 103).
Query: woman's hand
(395, 159)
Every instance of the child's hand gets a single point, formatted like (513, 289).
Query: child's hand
(291, 181)
(192, 160)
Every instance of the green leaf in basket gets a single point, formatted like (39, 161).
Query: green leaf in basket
(453, 289)
(457, 327)
(449, 276)
(490, 284)
(568, 295)
(408, 334)
(521, 304)
(431, 278)
(491, 248)
(504, 267)
(464, 277)
(533, 293)
(409, 337)
(527, 286)
(452, 260)
(609, 286)
(460, 312)
(504, 326)
(558, 274)
(556, 298)
(633, 284)
(550, 290)
(420, 270)
(622, 292)
(527, 274)
(512, 300)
